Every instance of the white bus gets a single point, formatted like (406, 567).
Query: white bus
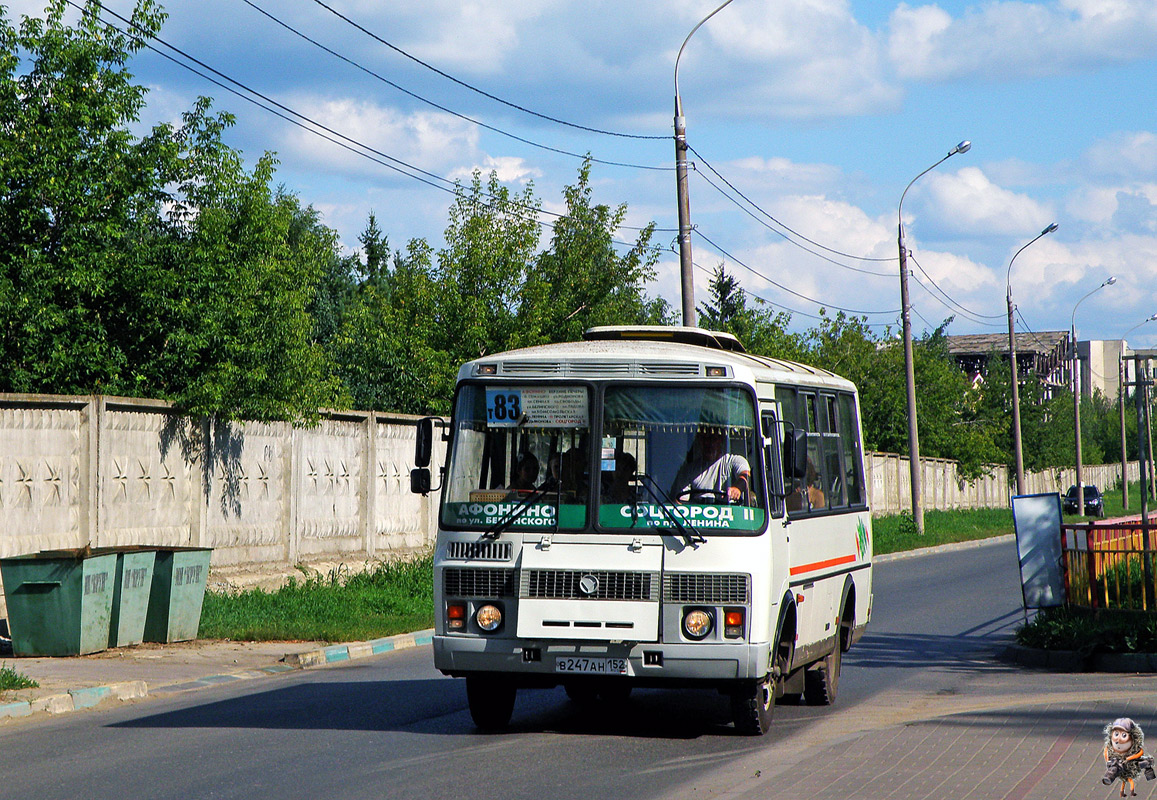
(583, 542)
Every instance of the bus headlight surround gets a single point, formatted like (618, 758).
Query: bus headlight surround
(697, 623)
(488, 617)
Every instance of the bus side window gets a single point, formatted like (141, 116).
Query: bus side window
(853, 458)
(773, 465)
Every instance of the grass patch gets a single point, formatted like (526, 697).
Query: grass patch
(393, 598)
(894, 534)
(10, 680)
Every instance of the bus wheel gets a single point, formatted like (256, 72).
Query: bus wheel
(491, 701)
(752, 703)
(822, 681)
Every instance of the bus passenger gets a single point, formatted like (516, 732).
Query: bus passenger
(711, 475)
(525, 474)
(619, 488)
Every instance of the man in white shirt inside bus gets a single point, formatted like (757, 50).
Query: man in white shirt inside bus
(709, 474)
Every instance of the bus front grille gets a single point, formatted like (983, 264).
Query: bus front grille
(705, 588)
(560, 584)
(479, 551)
(459, 582)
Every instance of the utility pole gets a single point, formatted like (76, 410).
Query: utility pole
(1124, 453)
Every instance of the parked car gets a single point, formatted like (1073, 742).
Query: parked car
(1094, 501)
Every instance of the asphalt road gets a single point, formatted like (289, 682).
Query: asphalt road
(390, 726)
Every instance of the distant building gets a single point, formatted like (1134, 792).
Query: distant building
(1042, 355)
(1046, 356)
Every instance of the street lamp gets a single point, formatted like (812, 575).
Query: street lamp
(1015, 373)
(686, 265)
(909, 368)
(1077, 393)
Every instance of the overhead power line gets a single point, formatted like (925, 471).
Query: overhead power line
(322, 131)
(440, 107)
(787, 228)
(482, 92)
(949, 302)
(778, 285)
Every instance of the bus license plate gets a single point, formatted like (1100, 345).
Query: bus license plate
(592, 666)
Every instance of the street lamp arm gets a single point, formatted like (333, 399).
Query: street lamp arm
(1008, 277)
(678, 102)
(963, 147)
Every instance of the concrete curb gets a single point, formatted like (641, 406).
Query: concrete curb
(345, 652)
(92, 696)
(944, 548)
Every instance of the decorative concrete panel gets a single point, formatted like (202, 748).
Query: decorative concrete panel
(249, 492)
(150, 481)
(331, 462)
(41, 453)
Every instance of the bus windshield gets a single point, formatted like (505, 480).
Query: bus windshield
(685, 451)
(520, 458)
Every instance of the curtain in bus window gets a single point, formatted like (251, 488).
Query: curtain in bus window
(687, 408)
(833, 473)
(853, 458)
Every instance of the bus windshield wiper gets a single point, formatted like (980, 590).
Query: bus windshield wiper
(523, 506)
(690, 535)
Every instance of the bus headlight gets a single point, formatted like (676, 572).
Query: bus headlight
(697, 623)
(489, 618)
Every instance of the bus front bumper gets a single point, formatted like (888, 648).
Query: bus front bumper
(542, 662)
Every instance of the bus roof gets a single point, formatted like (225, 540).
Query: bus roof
(654, 352)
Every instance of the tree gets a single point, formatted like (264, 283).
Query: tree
(761, 331)
(153, 266)
(491, 239)
(582, 280)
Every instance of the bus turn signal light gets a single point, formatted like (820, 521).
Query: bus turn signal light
(456, 617)
(733, 623)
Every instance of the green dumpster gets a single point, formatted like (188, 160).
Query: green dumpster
(59, 602)
(178, 592)
(130, 598)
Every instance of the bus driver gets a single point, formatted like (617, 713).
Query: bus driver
(709, 474)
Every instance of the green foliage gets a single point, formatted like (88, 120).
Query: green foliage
(155, 266)
(405, 329)
(1065, 628)
(897, 533)
(11, 680)
(761, 330)
(395, 597)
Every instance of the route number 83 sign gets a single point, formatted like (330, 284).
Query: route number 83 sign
(537, 407)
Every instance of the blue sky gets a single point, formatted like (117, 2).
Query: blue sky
(819, 111)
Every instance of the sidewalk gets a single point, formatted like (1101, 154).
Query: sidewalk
(75, 683)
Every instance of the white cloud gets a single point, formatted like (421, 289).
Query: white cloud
(509, 170)
(1127, 154)
(476, 36)
(791, 59)
(968, 202)
(431, 141)
(1003, 38)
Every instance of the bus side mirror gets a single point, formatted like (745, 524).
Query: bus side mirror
(420, 481)
(795, 454)
(424, 445)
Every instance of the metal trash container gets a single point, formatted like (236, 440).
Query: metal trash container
(130, 599)
(59, 602)
(178, 591)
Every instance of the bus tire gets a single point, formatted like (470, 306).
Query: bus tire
(752, 704)
(491, 701)
(822, 681)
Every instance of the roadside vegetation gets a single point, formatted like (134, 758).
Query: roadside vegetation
(11, 680)
(397, 597)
